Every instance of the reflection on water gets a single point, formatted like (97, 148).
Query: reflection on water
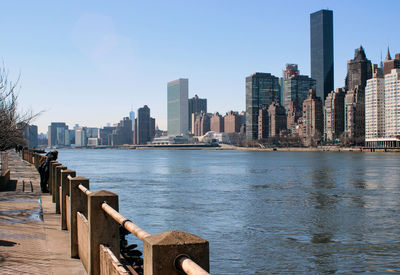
(262, 212)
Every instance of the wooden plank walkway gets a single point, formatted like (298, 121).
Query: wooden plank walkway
(31, 239)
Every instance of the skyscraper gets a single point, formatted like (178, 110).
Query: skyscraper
(359, 70)
(261, 90)
(374, 107)
(132, 118)
(232, 122)
(202, 124)
(178, 117)
(334, 114)
(321, 41)
(143, 125)
(57, 134)
(196, 106)
(392, 103)
(295, 88)
(263, 123)
(217, 123)
(277, 119)
(313, 120)
(122, 134)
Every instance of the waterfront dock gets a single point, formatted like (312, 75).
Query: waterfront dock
(31, 241)
(73, 230)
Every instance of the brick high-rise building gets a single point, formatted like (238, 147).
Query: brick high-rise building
(359, 70)
(293, 115)
(313, 122)
(232, 122)
(390, 64)
(261, 89)
(202, 124)
(334, 114)
(217, 123)
(277, 119)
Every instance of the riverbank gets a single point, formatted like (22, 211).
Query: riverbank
(233, 147)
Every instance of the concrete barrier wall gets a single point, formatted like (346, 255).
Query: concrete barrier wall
(109, 264)
(83, 239)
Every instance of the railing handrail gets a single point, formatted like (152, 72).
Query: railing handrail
(189, 266)
(183, 262)
(69, 177)
(84, 189)
(124, 222)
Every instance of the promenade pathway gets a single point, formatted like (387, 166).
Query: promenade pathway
(31, 239)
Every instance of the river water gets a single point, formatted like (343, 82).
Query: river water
(262, 212)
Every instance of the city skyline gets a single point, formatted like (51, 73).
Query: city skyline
(89, 64)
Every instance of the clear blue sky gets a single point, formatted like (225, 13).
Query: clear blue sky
(88, 62)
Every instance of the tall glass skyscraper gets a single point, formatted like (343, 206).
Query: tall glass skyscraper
(321, 40)
(261, 90)
(178, 118)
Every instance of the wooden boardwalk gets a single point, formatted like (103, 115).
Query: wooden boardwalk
(31, 239)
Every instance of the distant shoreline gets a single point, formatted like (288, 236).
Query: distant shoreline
(224, 147)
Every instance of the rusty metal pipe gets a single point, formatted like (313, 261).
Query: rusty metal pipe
(127, 224)
(188, 266)
(84, 189)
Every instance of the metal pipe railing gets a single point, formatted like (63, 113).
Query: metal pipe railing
(183, 262)
(84, 189)
(127, 224)
(189, 267)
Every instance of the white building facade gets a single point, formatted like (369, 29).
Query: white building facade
(382, 110)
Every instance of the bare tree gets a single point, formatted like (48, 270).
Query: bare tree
(12, 122)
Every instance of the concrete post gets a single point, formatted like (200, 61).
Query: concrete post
(78, 203)
(49, 182)
(102, 228)
(36, 158)
(57, 190)
(53, 180)
(64, 194)
(161, 250)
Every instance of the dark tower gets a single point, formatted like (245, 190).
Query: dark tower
(359, 70)
(321, 40)
(261, 90)
(143, 125)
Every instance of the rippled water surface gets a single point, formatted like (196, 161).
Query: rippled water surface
(262, 212)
